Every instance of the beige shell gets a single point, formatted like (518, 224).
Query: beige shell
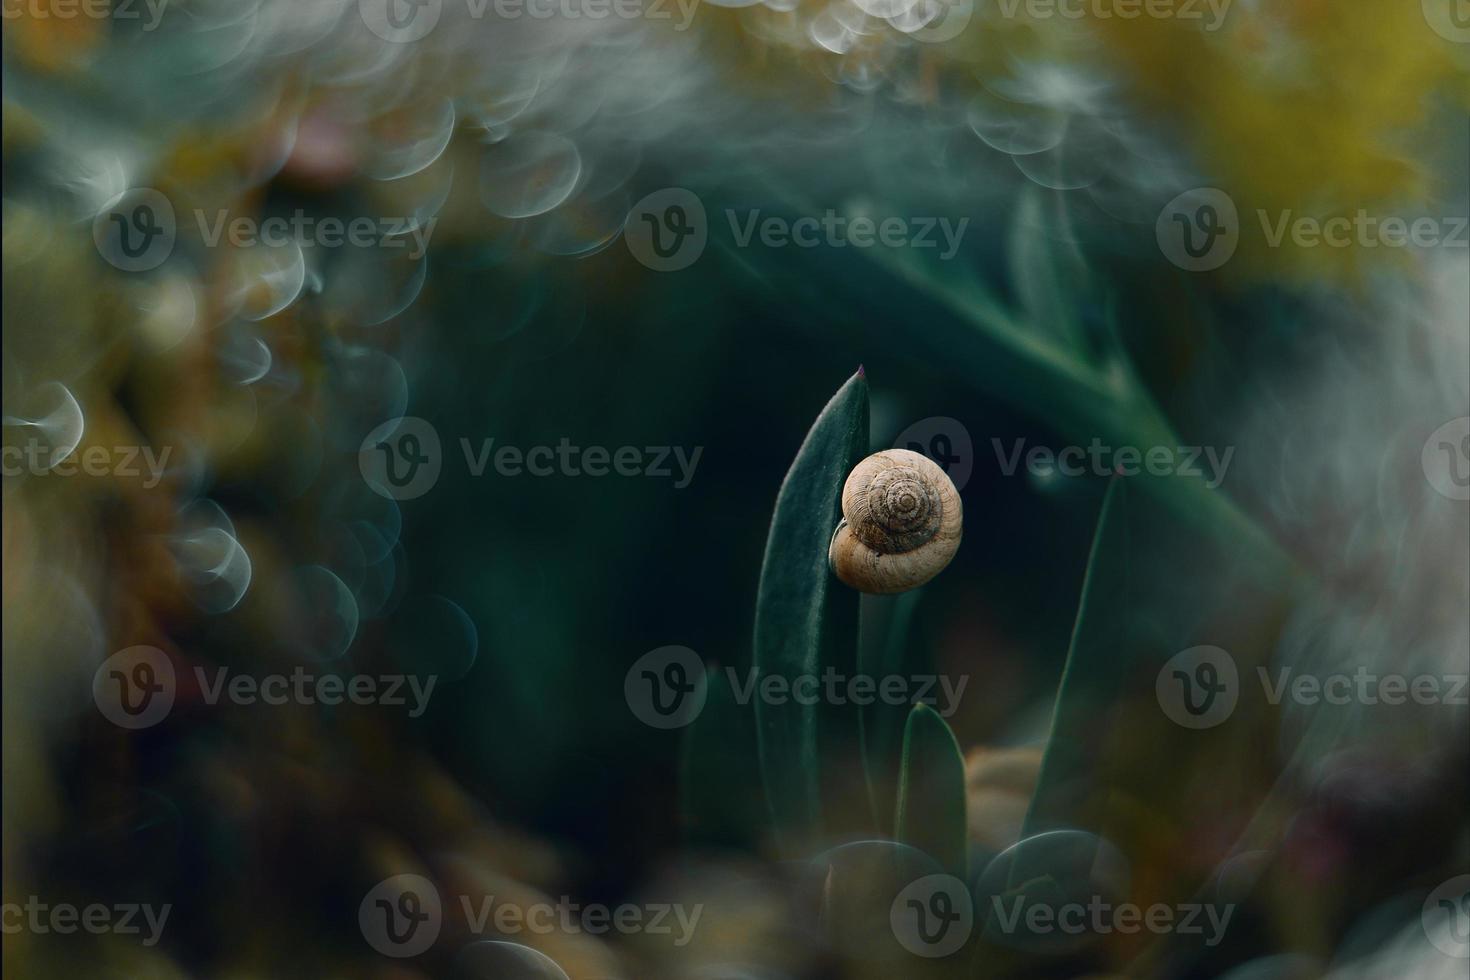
(901, 523)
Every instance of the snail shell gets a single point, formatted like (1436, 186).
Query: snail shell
(901, 522)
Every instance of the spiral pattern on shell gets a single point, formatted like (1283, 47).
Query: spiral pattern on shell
(901, 523)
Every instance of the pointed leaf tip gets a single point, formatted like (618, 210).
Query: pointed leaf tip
(931, 809)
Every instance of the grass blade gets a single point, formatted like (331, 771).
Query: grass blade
(804, 618)
(931, 791)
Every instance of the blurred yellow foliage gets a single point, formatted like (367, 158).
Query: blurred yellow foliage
(1304, 106)
(37, 32)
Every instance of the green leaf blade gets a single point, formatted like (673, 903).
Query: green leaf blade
(1090, 674)
(931, 812)
(804, 618)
